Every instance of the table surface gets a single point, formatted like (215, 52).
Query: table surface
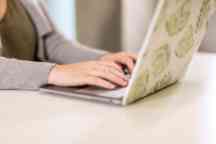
(182, 114)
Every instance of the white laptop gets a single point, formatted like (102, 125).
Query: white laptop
(174, 35)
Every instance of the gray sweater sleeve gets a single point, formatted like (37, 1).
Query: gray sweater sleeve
(23, 75)
(62, 51)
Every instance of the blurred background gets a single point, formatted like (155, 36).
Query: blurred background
(112, 25)
(63, 14)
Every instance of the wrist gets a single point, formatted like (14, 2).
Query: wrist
(53, 74)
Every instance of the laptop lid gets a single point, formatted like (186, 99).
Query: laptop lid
(175, 34)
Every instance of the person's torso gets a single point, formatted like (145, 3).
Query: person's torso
(18, 34)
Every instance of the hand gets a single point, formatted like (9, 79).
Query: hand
(104, 74)
(123, 58)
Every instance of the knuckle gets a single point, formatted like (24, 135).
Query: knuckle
(129, 61)
(115, 65)
(112, 64)
(115, 78)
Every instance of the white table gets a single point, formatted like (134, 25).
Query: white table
(182, 114)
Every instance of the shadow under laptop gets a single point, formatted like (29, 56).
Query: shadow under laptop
(163, 104)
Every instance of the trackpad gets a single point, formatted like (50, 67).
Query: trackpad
(118, 93)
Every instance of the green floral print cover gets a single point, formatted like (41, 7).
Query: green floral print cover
(178, 33)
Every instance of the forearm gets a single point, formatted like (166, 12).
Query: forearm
(23, 75)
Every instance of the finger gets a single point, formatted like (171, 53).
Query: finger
(127, 61)
(114, 65)
(133, 56)
(130, 65)
(117, 73)
(111, 75)
(112, 70)
(99, 82)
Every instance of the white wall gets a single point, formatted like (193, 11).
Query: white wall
(99, 23)
(63, 13)
(114, 24)
(136, 16)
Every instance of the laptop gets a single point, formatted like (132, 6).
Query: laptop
(174, 35)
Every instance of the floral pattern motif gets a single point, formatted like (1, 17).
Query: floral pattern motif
(139, 88)
(204, 12)
(161, 59)
(162, 15)
(180, 31)
(177, 22)
(186, 43)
